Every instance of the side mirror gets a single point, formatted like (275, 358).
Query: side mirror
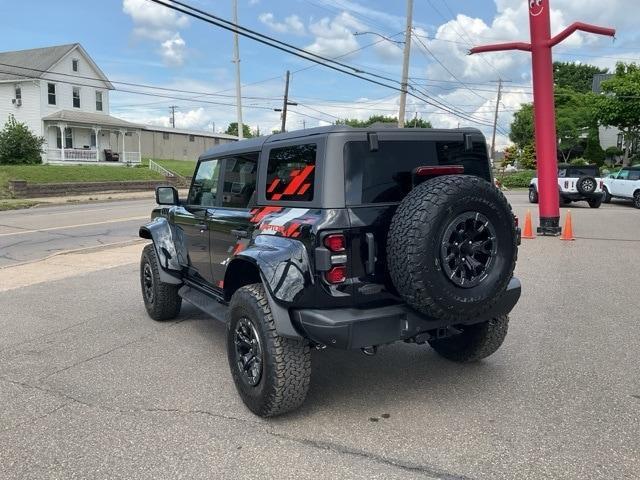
(612, 176)
(167, 196)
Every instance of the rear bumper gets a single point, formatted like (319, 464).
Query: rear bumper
(349, 328)
(577, 196)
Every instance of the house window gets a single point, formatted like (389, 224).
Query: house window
(165, 136)
(58, 138)
(68, 138)
(18, 94)
(99, 101)
(94, 139)
(51, 90)
(76, 97)
(74, 64)
(192, 138)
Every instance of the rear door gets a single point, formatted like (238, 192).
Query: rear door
(631, 184)
(620, 182)
(230, 224)
(193, 218)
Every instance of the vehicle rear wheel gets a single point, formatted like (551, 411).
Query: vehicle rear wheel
(636, 199)
(595, 202)
(271, 373)
(533, 195)
(476, 341)
(451, 248)
(160, 299)
(606, 196)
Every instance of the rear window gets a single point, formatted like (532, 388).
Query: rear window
(386, 175)
(574, 172)
(291, 173)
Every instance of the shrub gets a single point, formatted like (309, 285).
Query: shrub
(517, 179)
(578, 162)
(594, 152)
(18, 145)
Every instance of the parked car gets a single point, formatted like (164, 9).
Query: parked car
(624, 184)
(575, 183)
(336, 237)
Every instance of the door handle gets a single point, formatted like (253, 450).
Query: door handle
(202, 226)
(240, 233)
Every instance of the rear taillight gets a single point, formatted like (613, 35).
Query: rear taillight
(335, 242)
(337, 274)
(601, 184)
(516, 220)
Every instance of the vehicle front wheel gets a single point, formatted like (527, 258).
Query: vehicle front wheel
(533, 195)
(606, 196)
(475, 342)
(271, 373)
(636, 199)
(160, 299)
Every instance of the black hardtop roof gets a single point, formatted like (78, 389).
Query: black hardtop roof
(568, 165)
(253, 144)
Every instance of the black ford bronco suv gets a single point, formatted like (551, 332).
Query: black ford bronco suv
(336, 237)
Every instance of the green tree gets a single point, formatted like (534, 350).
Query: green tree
(593, 152)
(18, 144)
(522, 126)
(354, 122)
(232, 129)
(575, 76)
(619, 106)
(527, 158)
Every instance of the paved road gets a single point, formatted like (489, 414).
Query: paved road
(90, 387)
(27, 235)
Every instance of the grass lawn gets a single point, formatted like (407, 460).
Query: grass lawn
(184, 168)
(71, 173)
(11, 204)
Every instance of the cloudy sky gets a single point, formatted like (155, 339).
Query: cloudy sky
(139, 42)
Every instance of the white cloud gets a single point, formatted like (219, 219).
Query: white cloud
(291, 25)
(160, 24)
(334, 37)
(253, 2)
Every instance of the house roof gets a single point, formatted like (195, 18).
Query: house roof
(86, 118)
(598, 78)
(36, 62)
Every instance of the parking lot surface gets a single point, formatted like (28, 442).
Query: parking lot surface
(90, 387)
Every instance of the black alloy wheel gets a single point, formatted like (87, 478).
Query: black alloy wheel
(147, 283)
(468, 249)
(249, 357)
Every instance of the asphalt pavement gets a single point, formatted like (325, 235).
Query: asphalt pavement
(90, 387)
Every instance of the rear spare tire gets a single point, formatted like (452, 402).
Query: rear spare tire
(586, 185)
(451, 247)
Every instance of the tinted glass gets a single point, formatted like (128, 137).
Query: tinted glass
(624, 174)
(575, 172)
(239, 185)
(291, 173)
(386, 175)
(634, 175)
(204, 189)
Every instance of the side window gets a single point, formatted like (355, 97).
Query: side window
(239, 184)
(290, 173)
(623, 175)
(634, 175)
(204, 189)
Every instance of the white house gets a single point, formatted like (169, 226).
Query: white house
(62, 95)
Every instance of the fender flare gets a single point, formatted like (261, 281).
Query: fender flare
(169, 248)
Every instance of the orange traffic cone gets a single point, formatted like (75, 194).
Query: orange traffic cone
(528, 228)
(567, 231)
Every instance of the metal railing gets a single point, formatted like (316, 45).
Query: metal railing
(155, 167)
(83, 155)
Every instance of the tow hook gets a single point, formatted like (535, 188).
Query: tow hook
(370, 351)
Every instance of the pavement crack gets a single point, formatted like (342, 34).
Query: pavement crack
(36, 418)
(427, 470)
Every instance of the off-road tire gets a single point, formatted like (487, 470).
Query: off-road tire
(636, 199)
(476, 341)
(417, 235)
(533, 195)
(606, 196)
(595, 202)
(163, 303)
(586, 185)
(286, 362)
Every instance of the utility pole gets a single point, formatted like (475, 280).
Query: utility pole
(286, 102)
(495, 121)
(236, 60)
(405, 64)
(173, 115)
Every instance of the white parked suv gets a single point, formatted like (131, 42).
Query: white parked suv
(624, 184)
(575, 183)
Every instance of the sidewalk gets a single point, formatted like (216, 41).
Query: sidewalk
(18, 203)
